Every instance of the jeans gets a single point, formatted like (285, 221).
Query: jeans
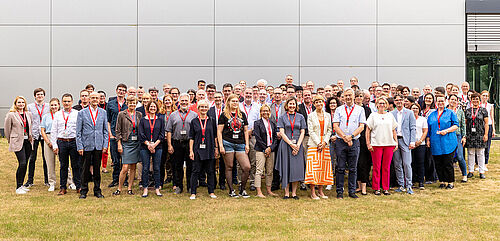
(198, 167)
(32, 160)
(346, 155)
(146, 157)
(116, 159)
(67, 150)
(22, 157)
(488, 145)
(459, 156)
(402, 164)
(417, 164)
(91, 158)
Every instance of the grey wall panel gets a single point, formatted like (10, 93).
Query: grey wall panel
(24, 46)
(338, 11)
(24, 11)
(182, 77)
(420, 76)
(22, 81)
(94, 46)
(176, 12)
(176, 46)
(338, 45)
(257, 11)
(330, 75)
(257, 46)
(94, 12)
(3, 113)
(274, 75)
(422, 11)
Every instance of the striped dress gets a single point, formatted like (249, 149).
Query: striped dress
(319, 165)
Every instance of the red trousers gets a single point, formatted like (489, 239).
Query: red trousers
(105, 157)
(381, 158)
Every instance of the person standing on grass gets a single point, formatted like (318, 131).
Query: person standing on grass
(37, 109)
(102, 104)
(485, 95)
(364, 158)
(63, 139)
(202, 148)
(127, 132)
(318, 164)
(442, 140)
(19, 133)
(476, 118)
(418, 154)
(453, 101)
(114, 107)
(331, 105)
(91, 141)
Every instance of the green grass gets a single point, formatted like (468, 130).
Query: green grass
(471, 211)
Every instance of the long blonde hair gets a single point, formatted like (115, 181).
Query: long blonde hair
(173, 106)
(14, 107)
(227, 110)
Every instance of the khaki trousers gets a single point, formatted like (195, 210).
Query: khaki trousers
(264, 162)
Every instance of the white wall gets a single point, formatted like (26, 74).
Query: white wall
(61, 45)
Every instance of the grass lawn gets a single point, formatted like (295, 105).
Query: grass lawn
(471, 211)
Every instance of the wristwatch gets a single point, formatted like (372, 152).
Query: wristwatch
(352, 136)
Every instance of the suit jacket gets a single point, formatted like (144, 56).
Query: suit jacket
(260, 132)
(281, 111)
(212, 113)
(88, 136)
(315, 129)
(303, 111)
(408, 127)
(14, 130)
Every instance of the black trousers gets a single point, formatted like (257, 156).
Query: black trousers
(417, 164)
(32, 160)
(181, 155)
(67, 150)
(430, 169)
(22, 158)
(166, 164)
(364, 163)
(444, 167)
(199, 167)
(91, 158)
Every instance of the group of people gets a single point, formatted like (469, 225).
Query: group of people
(292, 136)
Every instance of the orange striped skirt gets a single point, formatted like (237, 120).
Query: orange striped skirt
(318, 167)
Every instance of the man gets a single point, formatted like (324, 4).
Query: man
(310, 85)
(238, 90)
(386, 88)
(415, 92)
(92, 141)
(261, 84)
(201, 84)
(305, 109)
(166, 89)
(299, 94)
(465, 89)
(290, 91)
(38, 109)
(140, 93)
(243, 84)
(378, 92)
(102, 99)
(174, 92)
(90, 88)
(289, 81)
(153, 91)
(247, 104)
(406, 131)
(200, 95)
(335, 89)
(353, 81)
(448, 90)
(320, 91)
(114, 107)
(270, 93)
(255, 93)
(278, 107)
(227, 90)
(84, 100)
(340, 84)
(215, 112)
(348, 122)
(210, 94)
(63, 139)
(103, 104)
(394, 90)
(328, 91)
(178, 126)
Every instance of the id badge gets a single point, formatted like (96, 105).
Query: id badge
(236, 136)
(133, 138)
(26, 137)
(203, 146)
(183, 132)
(236, 131)
(294, 141)
(473, 129)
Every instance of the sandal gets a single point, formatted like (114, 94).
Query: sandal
(377, 192)
(117, 192)
(129, 192)
(387, 193)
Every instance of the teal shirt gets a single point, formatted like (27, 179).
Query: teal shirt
(461, 121)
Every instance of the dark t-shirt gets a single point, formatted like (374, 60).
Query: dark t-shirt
(233, 128)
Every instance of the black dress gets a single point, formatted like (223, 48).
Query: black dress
(475, 139)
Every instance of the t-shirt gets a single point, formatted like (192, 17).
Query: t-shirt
(381, 126)
(233, 131)
(488, 109)
(421, 123)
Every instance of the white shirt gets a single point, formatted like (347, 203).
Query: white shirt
(400, 122)
(218, 112)
(253, 114)
(381, 126)
(487, 106)
(266, 124)
(246, 108)
(58, 126)
(420, 123)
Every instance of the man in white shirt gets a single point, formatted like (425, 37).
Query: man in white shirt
(63, 139)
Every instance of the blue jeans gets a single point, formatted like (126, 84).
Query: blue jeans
(488, 145)
(232, 147)
(346, 156)
(146, 156)
(402, 165)
(459, 156)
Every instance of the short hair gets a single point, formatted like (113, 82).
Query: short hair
(474, 95)
(131, 98)
(121, 85)
(318, 97)
(453, 95)
(211, 86)
(449, 84)
(410, 98)
(262, 107)
(84, 90)
(355, 87)
(398, 95)
(153, 89)
(38, 90)
(327, 104)
(67, 95)
(439, 95)
(203, 101)
(290, 99)
(382, 98)
(90, 86)
(174, 88)
(201, 81)
(390, 100)
(386, 84)
(440, 89)
(263, 81)
(146, 108)
(184, 94)
(417, 105)
(405, 87)
(101, 92)
(227, 85)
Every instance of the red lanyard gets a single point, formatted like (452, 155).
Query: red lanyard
(348, 115)
(184, 119)
(245, 108)
(23, 118)
(485, 105)
(474, 115)
(92, 116)
(236, 122)
(203, 128)
(52, 114)
(439, 119)
(218, 112)
(66, 118)
(151, 127)
(463, 98)
(270, 133)
(292, 123)
(277, 110)
(309, 109)
(119, 105)
(40, 113)
(133, 120)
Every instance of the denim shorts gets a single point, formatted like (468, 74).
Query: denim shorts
(232, 147)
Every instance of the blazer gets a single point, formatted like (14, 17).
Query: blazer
(408, 127)
(14, 130)
(303, 111)
(124, 125)
(315, 129)
(260, 132)
(88, 136)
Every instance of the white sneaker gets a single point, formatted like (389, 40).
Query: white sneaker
(25, 188)
(213, 196)
(72, 186)
(477, 169)
(51, 188)
(485, 169)
(192, 197)
(20, 191)
(328, 187)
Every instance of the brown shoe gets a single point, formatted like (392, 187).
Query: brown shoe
(62, 192)
(78, 190)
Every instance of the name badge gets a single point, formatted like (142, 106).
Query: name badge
(473, 129)
(133, 138)
(294, 141)
(236, 136)
(203, 146)
(26, 137)
(183, 132)
(237, 131)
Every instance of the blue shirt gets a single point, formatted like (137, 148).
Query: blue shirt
(112, 110)
(442, 145)
(356, 117)
(47, 123)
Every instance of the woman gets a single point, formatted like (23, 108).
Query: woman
(418, 154)
(331, 104)
(168, 108)
(151, 133)
(128, 143)
(192, 96)
(405, 91)
(453, 105)
(476, 119)
(19, 134)
(428, 106)
(290, 157)
(485, 96)
(442, 140)
(319, 164)
(382, 142)
(265, 145)
(202, 139)
(364, 158)
(232, 135)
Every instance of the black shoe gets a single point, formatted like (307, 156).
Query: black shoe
(442, 185)
(83, 196)
(129, 192)
(286, 197)
(117, 192)
(252, 188)
(482, 176)
(222, 187)
(377, 192)
(303, 187)
(243, 194)
(296, 197)
(99, 195)
(470, 174)
(421, 186)
(125, 184)
(178, 190)
(353, 195)
(275, 188)
(340, 195)
(386, 192)
(168, 180)
(28, 184)
(113, 184)
(450, 186)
